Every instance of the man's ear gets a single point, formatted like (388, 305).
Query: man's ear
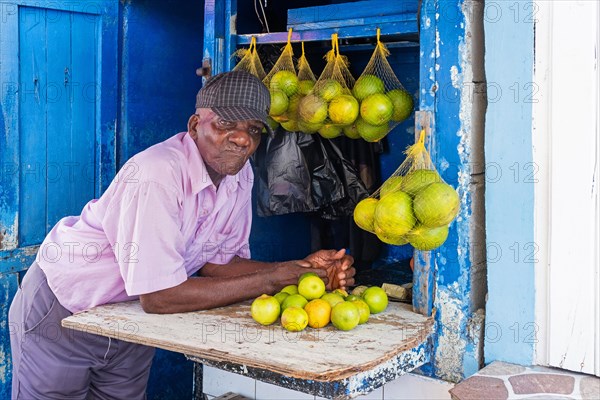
(192, 125)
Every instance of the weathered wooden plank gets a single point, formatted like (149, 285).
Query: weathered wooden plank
(33, 96)
(229, 335)
(349, 11)
(8, 288)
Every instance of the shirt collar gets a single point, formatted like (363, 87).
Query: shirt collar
(198, 173)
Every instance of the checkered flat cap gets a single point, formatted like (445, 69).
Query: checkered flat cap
(236, 96)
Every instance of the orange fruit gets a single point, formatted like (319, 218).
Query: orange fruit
(345, 315)
(319, 313)
(265, 309)
(293, 300)
(311, 287)
(294, 319)
(376, 299)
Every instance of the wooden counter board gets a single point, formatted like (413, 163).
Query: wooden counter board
(390, 344)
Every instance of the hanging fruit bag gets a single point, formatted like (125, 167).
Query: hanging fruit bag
(249, 61)
(329, 107)
(413, 206)
(384, 102)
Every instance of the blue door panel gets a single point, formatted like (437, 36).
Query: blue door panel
(33, 83)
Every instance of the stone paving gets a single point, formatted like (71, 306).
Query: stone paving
(502, 381)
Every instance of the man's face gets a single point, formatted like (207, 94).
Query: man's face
(225, 146)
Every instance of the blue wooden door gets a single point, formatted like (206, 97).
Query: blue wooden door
(57, 128)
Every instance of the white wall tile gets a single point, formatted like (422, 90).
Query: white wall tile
(376, 394)
(416, 387)
(216, 382)
(267, 391)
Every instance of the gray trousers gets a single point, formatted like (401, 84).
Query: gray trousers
(52, 362)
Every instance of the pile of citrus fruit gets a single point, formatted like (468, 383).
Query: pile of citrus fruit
(308, 304)
(329, 108)
(415, 208)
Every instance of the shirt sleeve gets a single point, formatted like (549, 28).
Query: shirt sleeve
(144, 225)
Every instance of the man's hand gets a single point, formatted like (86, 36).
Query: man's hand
(288, 273)
(338, 266)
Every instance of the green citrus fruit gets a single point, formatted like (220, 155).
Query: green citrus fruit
(265, 309)
(416, 180)
(294, 319)
(305, 86)
(392, 184)
(345, 315)
(281, 296)
(364, 214)
(363, 310)
(343, 109)
(352, 297)
(306, 275)
(290, 126)
(376, 299)
(311, 287)
(312, 109)
(294, 300)
(394, 214)
(371, 133)
(319, 313)
(290, 289)
(436, 205)
(292, 110)
(376, 109)
(403, 104)
(332, 298)
(367, 85)
(329, 131)
(328, 89)
(351, 131)
(287, 81)
(424, 238)
(386, 237)
(308, 127)
(279, 102)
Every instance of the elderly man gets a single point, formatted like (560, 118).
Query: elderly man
(179, 208)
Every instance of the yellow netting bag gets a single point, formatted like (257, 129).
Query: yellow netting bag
(329, 107)
(384, 102)
(282, 82)
(249, 61)
(306, 77)
(413, 206)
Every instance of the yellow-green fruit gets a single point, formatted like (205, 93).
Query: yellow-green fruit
(394, 214)
(367, 85)
(284, 80)
(376, 298)
(312, 109)
(436, 205)
(294, 300)
(281, 296)
(403, 104)
(345, 315)
(386, 237)
(370, 133)
(329, 131)
(307, 127)
(305, 86)
(290, 126)
(424, 238)
(328, 89)
(376, 109)
(290, 289)
(392, 184)
(332, 298)
(294, 319)
(279, 102)
(418, 179)
(363, 310)
(343, 109)
(364, 214)
(292, 110)
(351, 131)
(265, 309)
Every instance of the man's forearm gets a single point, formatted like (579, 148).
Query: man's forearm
(237, 266)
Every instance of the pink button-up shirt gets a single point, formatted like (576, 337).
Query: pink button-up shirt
(160, 221)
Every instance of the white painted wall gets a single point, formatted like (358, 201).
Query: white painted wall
(566, 153)
(216, 382)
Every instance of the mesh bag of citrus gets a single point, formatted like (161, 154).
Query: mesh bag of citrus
(249, 61)
(329, 106)
(413, 206)
(282, 82)
(384, 102)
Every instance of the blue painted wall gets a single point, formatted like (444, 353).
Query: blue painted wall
(161, 47)
(509, 183)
